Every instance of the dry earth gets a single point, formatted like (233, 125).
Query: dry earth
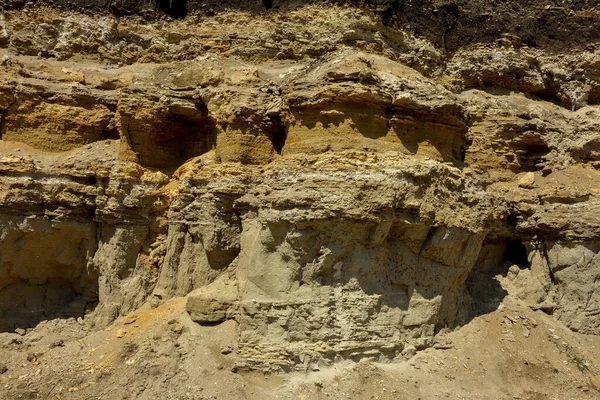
(512, 353)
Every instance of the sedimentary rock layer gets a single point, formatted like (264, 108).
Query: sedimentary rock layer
(337, 183)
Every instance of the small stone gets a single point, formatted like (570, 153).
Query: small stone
(176, 328)
(443, 346)
(130, 319)
(594, 382)
(3, 369)
(155, 301)
(34, 337)
(20, 331)
(409, 352)
(57, 343)
(14, 341)
(527, 180)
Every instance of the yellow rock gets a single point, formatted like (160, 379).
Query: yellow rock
(594, 382)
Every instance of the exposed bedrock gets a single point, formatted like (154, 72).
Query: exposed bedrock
(338, 186)
(450, 24)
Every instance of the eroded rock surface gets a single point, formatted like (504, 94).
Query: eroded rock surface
(338, 186)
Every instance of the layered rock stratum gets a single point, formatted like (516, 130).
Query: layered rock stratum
(330, 181)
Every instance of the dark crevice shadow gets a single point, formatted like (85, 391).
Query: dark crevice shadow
(178, 136)
(516, 253)
(532, 156)
(268, 4)
(110, 132)
(211, 324)
(2, 118)
(175, 8)
(278, 133)
(482, 285)
(24, 305)
(464, 149)
(594, 96)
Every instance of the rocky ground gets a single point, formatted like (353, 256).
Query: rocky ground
(277, 200)
(511, 353)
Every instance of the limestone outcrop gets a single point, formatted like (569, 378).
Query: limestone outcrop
(338, 186)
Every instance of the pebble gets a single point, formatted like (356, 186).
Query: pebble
(594, 382)
(34, 337)
(527, 181)
(130, 319)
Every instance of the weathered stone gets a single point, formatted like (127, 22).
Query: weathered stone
(527, 180)
(213, 303)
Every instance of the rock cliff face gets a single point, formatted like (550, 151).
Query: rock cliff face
(338, 183)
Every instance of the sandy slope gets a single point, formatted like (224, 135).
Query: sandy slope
(511, 353)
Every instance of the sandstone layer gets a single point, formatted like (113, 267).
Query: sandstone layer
(339, 184)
